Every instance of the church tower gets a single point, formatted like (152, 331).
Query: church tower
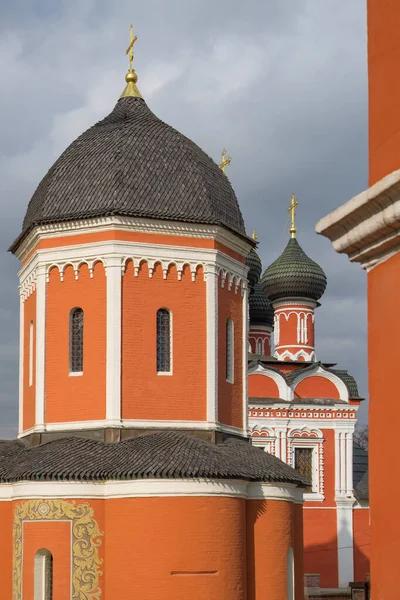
(294, 283)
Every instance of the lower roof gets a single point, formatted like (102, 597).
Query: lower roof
(164, 455)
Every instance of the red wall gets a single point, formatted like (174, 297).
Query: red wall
(384, 87)
(76, 398)
(384, 416)
(316, 387)
(362, 543)
(261, 386)
(28, 419)
(146, 395)
(320, 545)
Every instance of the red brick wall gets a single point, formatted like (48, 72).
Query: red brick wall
(230, 395)
(6, 549)
(320, 545)
(362, 543)
(146, 395)
(261, 386)
(70, 398)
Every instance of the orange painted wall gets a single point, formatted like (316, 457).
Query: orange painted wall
(208, 562)
(383, 335)
(320, 545)
(269, 537)
(146, 395)
(29, 391)
(288, 329)
(362, 543)
(6, 549)
(261, 386)
(316, 387)
(298, 549)
(55, 537)
(230, 395)
(384, 87)
(71, 398)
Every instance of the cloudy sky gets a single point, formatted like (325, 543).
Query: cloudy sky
(281, 84)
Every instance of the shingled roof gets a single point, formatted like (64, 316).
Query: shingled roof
(164, 455)
(260, 310)
(132, 164)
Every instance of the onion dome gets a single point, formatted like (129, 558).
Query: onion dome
(253, 261)
(261, 311)
(132, 164)
(293, 274)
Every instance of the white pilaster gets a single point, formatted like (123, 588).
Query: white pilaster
(40, 345)
(245, 346)
(21, 361)
(113, 332)
(342, 463)
(349, 463)
(345, 541)
(337, 463)
(212, 342)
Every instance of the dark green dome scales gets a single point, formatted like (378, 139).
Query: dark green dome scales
(293, 274)
(260, 310)
(253, 261)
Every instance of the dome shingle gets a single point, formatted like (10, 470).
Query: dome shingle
(261, 311)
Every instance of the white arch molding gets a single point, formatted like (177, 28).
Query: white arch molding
(321, 372)
(285, 393)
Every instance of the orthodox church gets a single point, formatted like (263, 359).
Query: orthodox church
(304, 412)
(133, 471)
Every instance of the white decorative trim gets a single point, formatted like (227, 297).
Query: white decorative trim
(308, 357)
(113, 339)
(284, 391)
(309, 438)
(299, 303)
(345, 541)
(212, 343)
(245, 338)
(133, 424)
(21, 364)
(344, 465)
(40, 346)
(149, 488)
(151, 226)
(367, 227)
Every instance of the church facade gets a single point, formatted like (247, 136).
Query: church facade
(133, 471)
(304, 411)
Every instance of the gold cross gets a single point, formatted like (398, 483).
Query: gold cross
(226, 160)
(292, 209)
(254, 235)
(130, 47)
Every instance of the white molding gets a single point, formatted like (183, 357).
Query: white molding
(40, 346)
(308, 357)
(148, 488)
(21, 364)
(152, 226)
(339, 425)
(367, 227)
(284, 391)
(245, 341)
(294, 302)
(345, 541)
(212, 343)
(278, 405)
(320, 372)
(113, 339)
(133, 424)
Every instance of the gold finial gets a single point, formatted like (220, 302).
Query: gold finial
(131, 78)
(292, 209)
(226, 160)
(254, 235)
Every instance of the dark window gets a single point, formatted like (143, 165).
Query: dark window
(303, 462)
(229, 350)
(163, 341)
(76, 340)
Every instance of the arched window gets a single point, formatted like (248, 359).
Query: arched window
(229, 350)
(43, 575)
(164, 345)
(290, 574)
(76, 340)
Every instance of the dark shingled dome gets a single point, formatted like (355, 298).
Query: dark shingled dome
(261, 311)
(253, 261)
(132, 164)
(293, 274)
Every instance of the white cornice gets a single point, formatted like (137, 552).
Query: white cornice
(294, 302)
(148, 488)
(367, 227)
(153, 226)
